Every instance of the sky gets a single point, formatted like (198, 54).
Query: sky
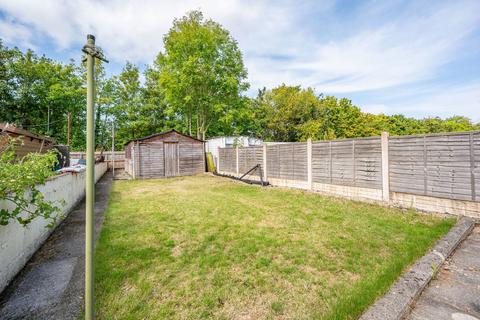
(418, 58)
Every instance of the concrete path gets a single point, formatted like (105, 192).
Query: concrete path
(51, 284)
(455, 293)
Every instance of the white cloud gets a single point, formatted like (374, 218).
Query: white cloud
(443, 101)
(406, 50)
(16, 33)
(133, 30)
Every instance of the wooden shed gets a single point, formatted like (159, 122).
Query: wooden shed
(26, 141)
(165, 154)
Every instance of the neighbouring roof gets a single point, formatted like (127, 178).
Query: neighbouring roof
(9, 128)
(161, 134)
(233, 137)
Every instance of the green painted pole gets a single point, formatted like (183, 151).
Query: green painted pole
(90, 183)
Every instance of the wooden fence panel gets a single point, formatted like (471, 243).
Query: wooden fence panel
(273, 161)
(300, 161)
(228, 159)
(368, 163)
(287, 161)
(248, 157)
(475, 174)
(441, 166)
(342, 162)
(353, 162)
(321, 161)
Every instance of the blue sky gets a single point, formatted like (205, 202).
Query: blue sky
(419, 58)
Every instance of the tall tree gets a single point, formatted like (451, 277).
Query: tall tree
(137, 111)
(201, 72)
(37, 93)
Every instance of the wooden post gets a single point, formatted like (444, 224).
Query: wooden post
(385, 168)
(309, 164)
(218, 160)
(237, 162)
(265, 176)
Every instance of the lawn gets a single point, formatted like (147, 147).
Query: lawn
(206, 247)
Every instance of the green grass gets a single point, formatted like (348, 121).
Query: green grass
(206, 247)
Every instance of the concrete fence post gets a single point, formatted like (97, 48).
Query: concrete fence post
(385, 169)
(237, 162)
(133, 161)
(265, 176)
(472, 167)
(309, 164)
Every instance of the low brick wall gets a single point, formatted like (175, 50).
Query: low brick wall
(18, 243)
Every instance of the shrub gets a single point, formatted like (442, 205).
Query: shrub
(19, 178)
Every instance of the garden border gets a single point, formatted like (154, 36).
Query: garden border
(396, 303)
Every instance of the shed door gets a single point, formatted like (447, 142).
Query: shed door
(171, 159)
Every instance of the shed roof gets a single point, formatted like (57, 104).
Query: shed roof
(161, 134)
(9, 128)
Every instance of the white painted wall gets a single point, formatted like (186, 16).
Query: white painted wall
(212, 145)
(18, 243)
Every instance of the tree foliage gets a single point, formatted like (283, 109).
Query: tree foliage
(290, 113)
(138, 110)
(201, 72)
(32, 87)
(18, 185)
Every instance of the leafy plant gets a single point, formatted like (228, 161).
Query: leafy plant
(19, 178)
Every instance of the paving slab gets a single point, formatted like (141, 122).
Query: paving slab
(454, 293)
(51, 284)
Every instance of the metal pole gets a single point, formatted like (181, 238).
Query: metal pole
(90, 186)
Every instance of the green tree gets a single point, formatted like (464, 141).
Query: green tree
(285, 110)
(37, 93)
(457, 123)
(201, 72)
(137, 111)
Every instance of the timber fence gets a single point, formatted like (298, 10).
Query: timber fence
(118, 156)
(433, 172)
